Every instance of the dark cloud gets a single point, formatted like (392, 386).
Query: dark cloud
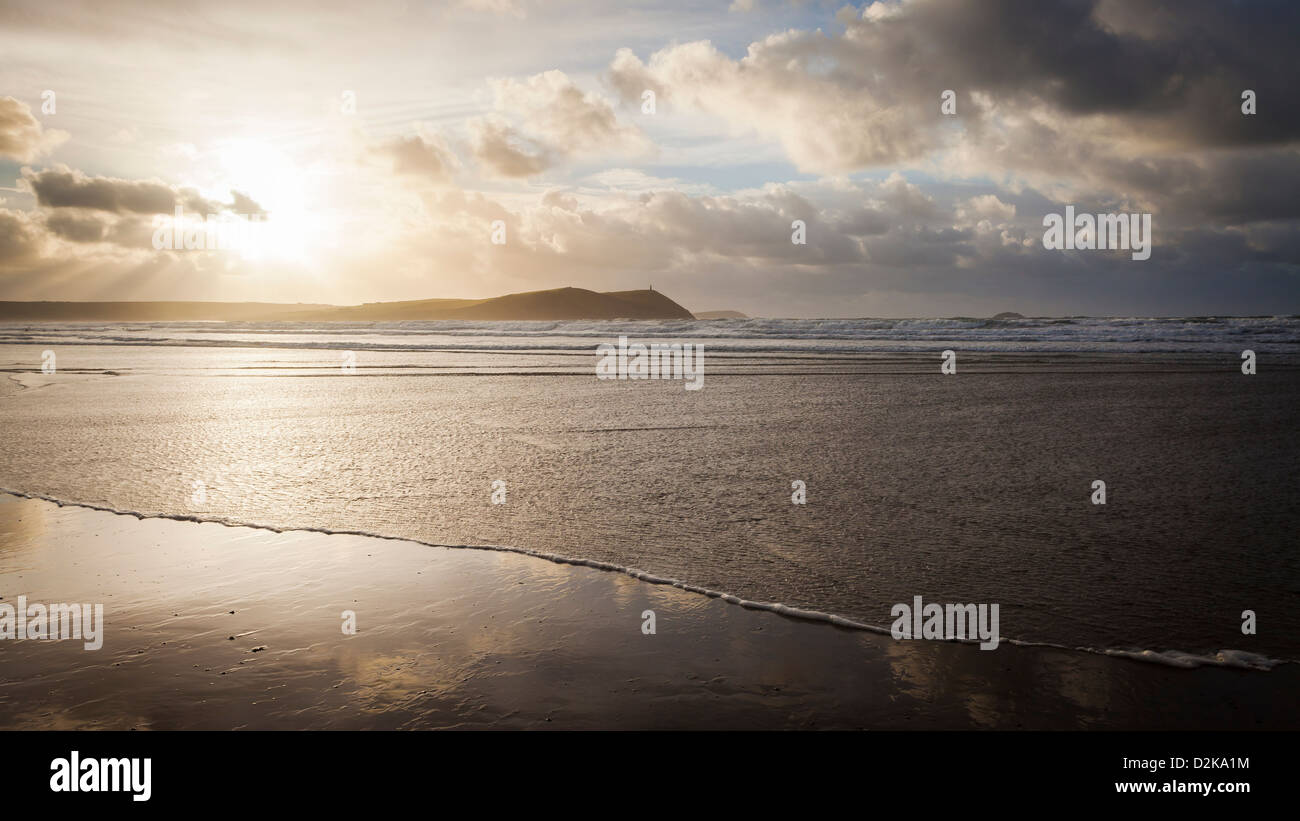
(62, 187)
(70, 189)
(1131, 77)
(1178, 66)
(77, 227)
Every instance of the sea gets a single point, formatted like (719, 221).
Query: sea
(827, 469)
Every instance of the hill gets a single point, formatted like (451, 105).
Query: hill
(720, 315)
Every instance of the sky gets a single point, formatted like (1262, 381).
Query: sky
(400, 150)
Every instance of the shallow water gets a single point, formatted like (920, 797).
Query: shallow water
(217, 628)
(966, 488)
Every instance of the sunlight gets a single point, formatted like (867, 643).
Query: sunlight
(270, 178)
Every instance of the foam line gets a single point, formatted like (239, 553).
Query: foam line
(1239, 659)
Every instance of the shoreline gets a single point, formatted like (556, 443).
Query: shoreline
(1225, 658)
(451, 637)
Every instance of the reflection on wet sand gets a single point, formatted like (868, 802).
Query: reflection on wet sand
(218, 627)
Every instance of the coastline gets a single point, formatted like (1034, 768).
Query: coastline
(463, 638)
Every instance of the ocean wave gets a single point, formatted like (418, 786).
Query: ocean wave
(1238, 659)
(1045, 334)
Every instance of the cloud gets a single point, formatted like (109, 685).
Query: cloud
(635, 180)
(62, 187)
(1100, 104)
(244, 204)
(788, 88)
(1151, 69)
(20, 238)
(500, 148)
(1128, 76)
(78, 227)
(886, 237)
(425, 156)
(75, 212)
(669, 230)
(986, 207)
(544, 118)
(907, 199)
(22, 138)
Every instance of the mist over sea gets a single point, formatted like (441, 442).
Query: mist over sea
(967, 488)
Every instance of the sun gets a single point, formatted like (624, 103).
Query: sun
(285, 230)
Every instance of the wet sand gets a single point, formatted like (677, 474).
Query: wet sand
(459, 638)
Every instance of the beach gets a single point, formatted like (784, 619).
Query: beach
(753, 365)
(216, 627)
(497, 519)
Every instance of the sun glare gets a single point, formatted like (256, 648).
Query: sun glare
(271, 179)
